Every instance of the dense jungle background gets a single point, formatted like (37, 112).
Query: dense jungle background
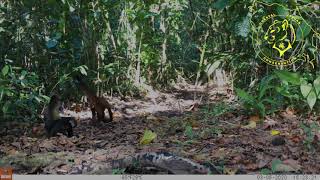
(182, 76)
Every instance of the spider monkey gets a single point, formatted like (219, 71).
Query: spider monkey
(54, 123)
(98, 104)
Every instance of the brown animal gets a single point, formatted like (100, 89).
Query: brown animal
(98, 104)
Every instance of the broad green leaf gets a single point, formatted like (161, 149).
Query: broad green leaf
(316, 85)
(47, 98)
(37, 99)
(305, 89)
(288, 165)
(5, 70)
(212, 67)
(265, 171)
(311, 99)
(264, 85)
(303, 31)
(244, 95)
(71, 9)
(83, 70)
(282, 11)
(148, 137)
(274, 165)
(243, 26)
(291, 77)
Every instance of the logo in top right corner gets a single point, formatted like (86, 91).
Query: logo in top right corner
(275, 39)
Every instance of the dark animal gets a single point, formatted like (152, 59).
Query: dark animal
(54, 123)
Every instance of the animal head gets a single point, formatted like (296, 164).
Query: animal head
(54, 106)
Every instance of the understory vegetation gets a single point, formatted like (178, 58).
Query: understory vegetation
(131, 49)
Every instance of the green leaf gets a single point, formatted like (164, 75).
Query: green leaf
(243, 27)
(51, 43)
(1, 94)
(5, 107)
(290, 77)
(148, 137)
(83, 70)
(305, 89)
(244, 95)
(46, 98)
(316, 85)
(221, 4)
(311, 99)
(189, 132)
(37, 99)
(262, 109)
(265, 171)
(303, 31)
(5, 70)
(265, 85)
(274, 164)
(212, 67)
(282, 11)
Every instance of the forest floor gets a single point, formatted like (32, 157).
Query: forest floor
(202, 124)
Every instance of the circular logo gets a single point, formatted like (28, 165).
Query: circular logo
(275, 39)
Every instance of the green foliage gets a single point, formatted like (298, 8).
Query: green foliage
(147, 137)
(20, 94)
(308, 91)
(243, 27)
(215, 110)
(265, 102)
(290, 77)
(274, 165)
(118, 171)
(310, 132)
(119, 44)
(221, 4)
(189, 132)
(303, 31)
(212, 132)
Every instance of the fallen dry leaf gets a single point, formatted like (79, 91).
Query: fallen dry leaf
(288, 165)
(274, 132)
(100, 157)
(200, 157)
(288, 114)
(220, 153)
(296, 139)
(253, 166)
(251, 125)
(230, 171)
(254, 118)
(193, 107)
(292, 163)
(269, 123)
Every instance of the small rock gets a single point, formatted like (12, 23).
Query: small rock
(278, 141)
